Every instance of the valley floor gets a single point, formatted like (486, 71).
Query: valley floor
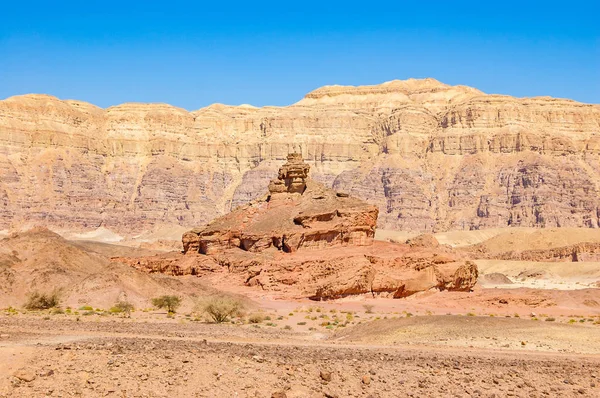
(149, 355)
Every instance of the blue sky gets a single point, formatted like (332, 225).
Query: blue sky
(191, 54)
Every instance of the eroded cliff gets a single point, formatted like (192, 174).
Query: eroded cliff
(431, 156)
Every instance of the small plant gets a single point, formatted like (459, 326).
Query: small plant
(42, 301)
(271, 324)
(301, 323)
(86, 308)
(221, 308)
(550, 319)
(11, 311)
(170, 303)
(122, 307)
(368, 308)
(470, 314)
(287, 327)
(256, 318)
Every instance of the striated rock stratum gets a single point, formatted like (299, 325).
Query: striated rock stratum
(430, 156)
(305, 240)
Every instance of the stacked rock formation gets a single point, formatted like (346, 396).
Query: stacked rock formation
(430, 156)
(297, 213)
(305, 240)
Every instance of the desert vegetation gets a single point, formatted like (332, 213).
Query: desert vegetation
(42, 301)
(170, 303)
(222, 308)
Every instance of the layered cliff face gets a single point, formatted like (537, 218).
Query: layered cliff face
(432, 157)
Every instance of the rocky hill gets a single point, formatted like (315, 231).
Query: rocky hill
(82, 273)
(432, 157)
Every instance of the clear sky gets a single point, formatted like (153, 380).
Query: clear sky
(191, 54)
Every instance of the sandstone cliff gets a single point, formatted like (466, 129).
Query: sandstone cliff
(430, 156)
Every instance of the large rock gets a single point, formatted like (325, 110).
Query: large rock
(265, 244)
(430, 156)
(297, 213)
(382, 269)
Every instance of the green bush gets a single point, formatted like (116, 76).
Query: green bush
(42, 301)
(170, 303)
(86, 308)
(122, 307)
(221, 308)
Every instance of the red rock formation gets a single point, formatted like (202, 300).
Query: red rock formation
(297, 213)
(265, 244)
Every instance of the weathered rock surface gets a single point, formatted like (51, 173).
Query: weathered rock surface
(580, 252)
(430, 156)
(265, 244)
(41, 261)
(381, 269)
(296, 213)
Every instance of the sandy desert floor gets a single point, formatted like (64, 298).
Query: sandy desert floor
(291, 353)
(534, 337)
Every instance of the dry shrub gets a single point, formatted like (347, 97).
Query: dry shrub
(42, 301)
(368, 308)
(256, 318)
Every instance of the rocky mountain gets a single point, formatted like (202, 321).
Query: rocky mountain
(430, 156)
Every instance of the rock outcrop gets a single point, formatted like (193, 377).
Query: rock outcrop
(297, 213)
(305, 240)
(430, 156)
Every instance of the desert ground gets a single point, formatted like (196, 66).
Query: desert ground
(531, 329)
